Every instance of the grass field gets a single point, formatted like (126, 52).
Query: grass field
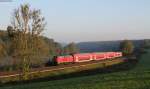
(136, 78)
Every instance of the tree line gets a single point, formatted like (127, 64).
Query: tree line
(128, 48)
(48, 48)
(22, 46)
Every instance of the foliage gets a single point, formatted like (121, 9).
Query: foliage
(54, 48)
(3, 51)
(48, 48)
(28, 25)
(22, 43)
(71, 48)
(127, 47)
(146, 44)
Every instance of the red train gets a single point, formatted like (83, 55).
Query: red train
(83, 57)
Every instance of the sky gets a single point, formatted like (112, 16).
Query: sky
(87, 20)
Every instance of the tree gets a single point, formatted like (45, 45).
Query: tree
(55, 48)
(71, 48)
(146, 44)
(127, 47)
(10, 31)
(3, 51)
(28, 25)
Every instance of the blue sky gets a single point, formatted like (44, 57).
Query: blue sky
(88, 20)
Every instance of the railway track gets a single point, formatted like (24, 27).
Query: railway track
(55, 68)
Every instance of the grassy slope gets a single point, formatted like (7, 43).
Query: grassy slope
(144, 62)
(137, 78)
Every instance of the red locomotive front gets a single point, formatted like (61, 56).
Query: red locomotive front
(64, 59)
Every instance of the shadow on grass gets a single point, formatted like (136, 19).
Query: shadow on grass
(114, 68)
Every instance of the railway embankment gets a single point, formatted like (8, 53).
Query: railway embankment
(60, 70)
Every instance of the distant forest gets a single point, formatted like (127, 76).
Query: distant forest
(104, 46)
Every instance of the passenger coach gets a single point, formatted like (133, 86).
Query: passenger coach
(84, 57)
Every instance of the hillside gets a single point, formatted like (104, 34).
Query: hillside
(132, 79)
(102, 46)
